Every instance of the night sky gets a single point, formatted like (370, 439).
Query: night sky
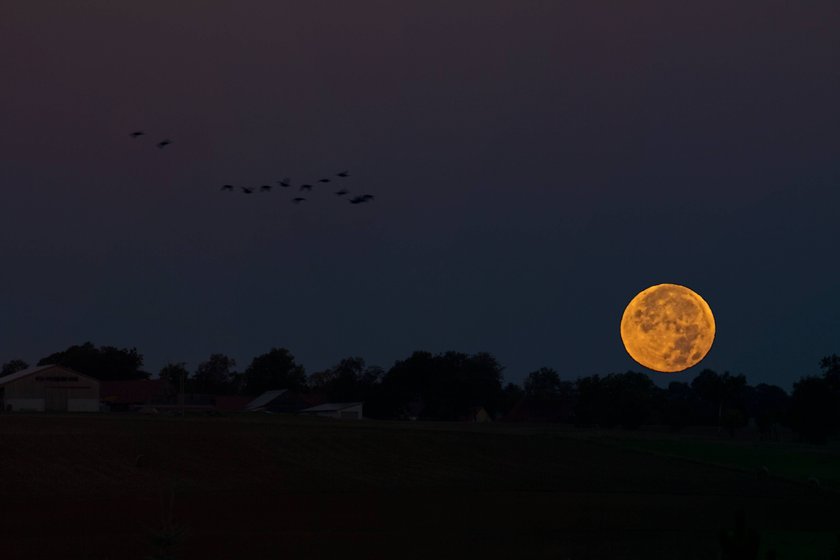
(535, 165)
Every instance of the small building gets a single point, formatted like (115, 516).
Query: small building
(49, 388)
(343, 411)
(283, 401)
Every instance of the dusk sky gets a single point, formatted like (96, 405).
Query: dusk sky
(535, 165)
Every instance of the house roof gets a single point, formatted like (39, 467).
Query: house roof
(264, 399)
(36, 369)
(331, 407)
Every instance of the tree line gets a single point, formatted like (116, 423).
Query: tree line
(448, 385)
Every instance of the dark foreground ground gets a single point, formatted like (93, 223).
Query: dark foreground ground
(105, 486)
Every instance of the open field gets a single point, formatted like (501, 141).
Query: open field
(266, 486)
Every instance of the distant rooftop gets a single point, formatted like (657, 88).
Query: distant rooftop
(35, 369)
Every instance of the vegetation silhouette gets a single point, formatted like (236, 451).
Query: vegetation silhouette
(449, 385)
(106, 363)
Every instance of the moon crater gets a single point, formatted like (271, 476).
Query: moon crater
(668, 328)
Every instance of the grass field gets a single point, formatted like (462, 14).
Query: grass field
(263, 486)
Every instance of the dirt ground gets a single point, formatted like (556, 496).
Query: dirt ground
(102, 487)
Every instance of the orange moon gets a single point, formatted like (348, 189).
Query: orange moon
(668, 328)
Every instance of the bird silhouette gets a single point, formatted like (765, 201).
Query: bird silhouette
(164, 143)
(265, 188)
(361, 199)
(246, 190)
(342, 192)
(286, 182)
(324, 180)
(306, 187)
(137, 133)
(227, 187)
(342, 174)
(298, 199)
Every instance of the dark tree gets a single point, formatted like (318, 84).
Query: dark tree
(447, 386)
(347, 381)
(813, 409)
(719, 393)
(624, 399)
(13, 366)
(831, 371)
(214, 376)
(104, 363)
(768, 405)
(174, 374)
(275, 369)
(679, 408)
(511, 394)
(542, 384)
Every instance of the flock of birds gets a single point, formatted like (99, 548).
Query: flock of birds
(283, 183)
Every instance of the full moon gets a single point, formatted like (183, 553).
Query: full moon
(668, 328)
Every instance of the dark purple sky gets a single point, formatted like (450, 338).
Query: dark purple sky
(536, 164)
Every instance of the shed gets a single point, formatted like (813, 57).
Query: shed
(344, 411)
(50, 388)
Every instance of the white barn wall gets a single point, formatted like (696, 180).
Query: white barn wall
(26, 404)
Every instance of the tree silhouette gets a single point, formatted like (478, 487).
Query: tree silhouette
(679, 408)
(813, 408)
(105, 363)
(13, 366)
(542, 384)
(215, 375)
(768, 405)
(624, 399)
(347, 381)
(719, 393)
(448, 385)
(276, 369)
(174, 373)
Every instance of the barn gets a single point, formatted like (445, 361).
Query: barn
(49, 388)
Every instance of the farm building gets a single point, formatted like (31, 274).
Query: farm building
(49, 388)
(344, 411)
(283, 400)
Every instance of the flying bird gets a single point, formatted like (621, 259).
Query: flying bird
(324, 180)
(265, 188)
(298, 199)
(137, 133)
(164, 143)
(246, 190)
(286, 182)
(342, 192)
(227, 187)
(306, 187)
(342, 174)
(361, 199)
